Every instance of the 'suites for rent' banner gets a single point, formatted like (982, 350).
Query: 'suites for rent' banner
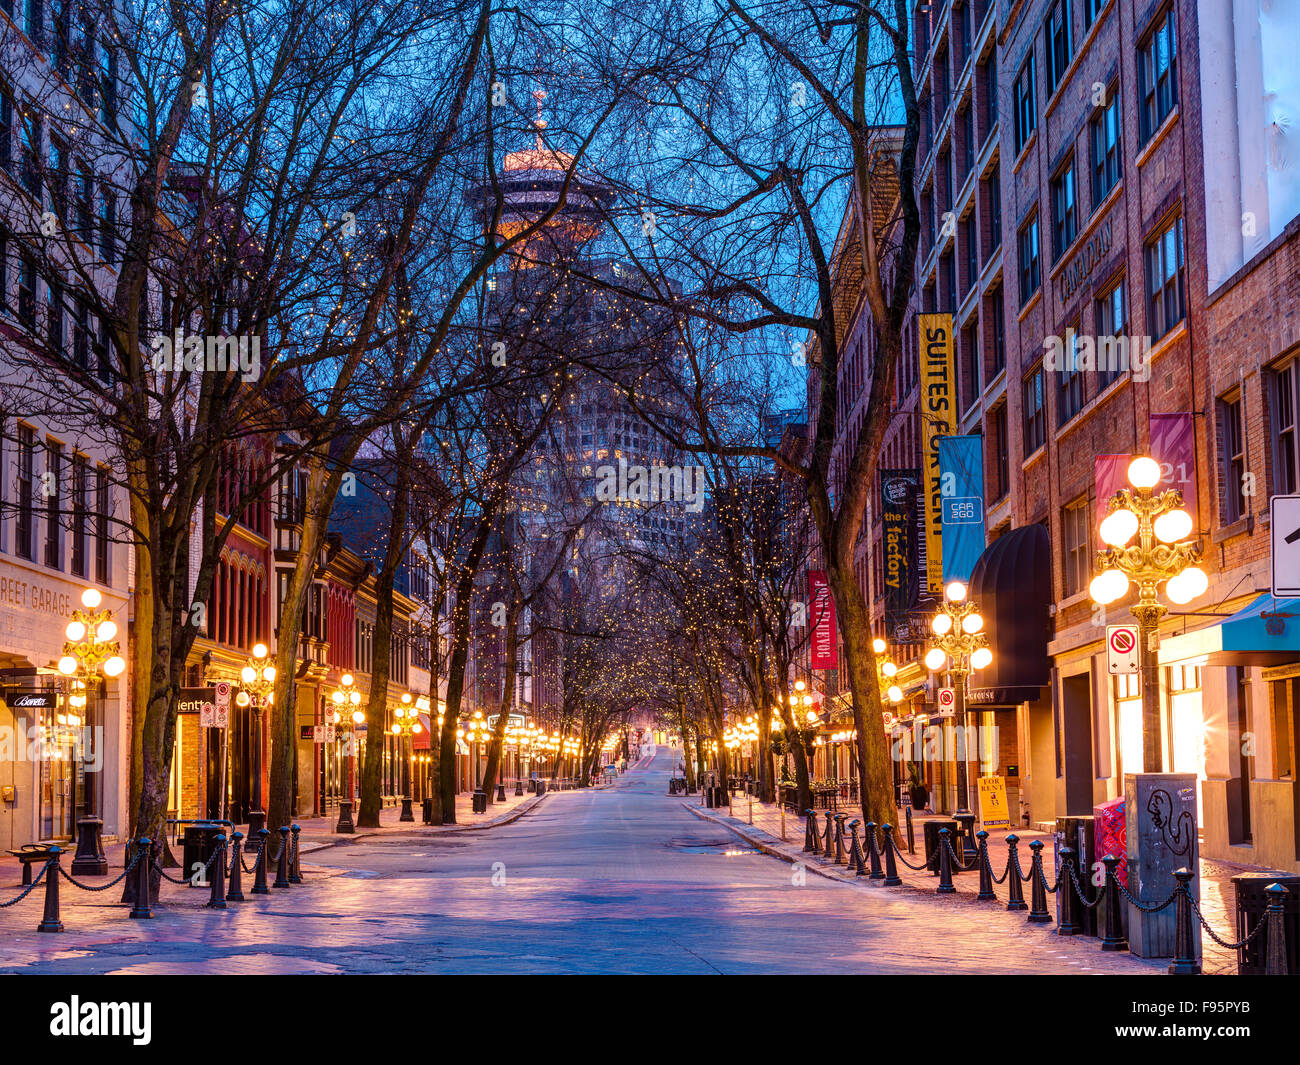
(938, 418)
(821, 616)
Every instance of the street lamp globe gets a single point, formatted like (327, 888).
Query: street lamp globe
(1172, 526)
(91, 598)
(106, 631)
(76, 631)
(67, 665)
(955, 592)
(941, 624)
(1194, 578)
(1108, 586)
(259, 650)
(895, 693)
(242, 698)
(889, 669)
(358, 717)
(1118, 529)
(249, 674)
(355, 698)
(338, 698)
(268, 674)
(980, 657)
(878, 645)
(935, 659)
(1144, 472)
(972, 623)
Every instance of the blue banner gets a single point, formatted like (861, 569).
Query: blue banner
(961, 491)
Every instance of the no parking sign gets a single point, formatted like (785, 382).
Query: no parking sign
(1122, 648)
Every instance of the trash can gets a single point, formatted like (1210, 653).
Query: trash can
(427, 810)
(480, 801)
(1252, 901)
(1079, 832)
(931, 829)
(541, 787)
(200, 841)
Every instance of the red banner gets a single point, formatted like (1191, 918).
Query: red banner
(420, 741)
(821, 619)
(1110, 474)
(1173, 445)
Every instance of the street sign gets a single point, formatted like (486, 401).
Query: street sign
(947, 700)
(1122, 648)
(223, 693)
(214, 715)
(1284, 520)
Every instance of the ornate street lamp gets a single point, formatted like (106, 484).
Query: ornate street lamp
(886, 672)
(90, 654)
(961, 646)
(406, 723)
(1160, 554)
(347, 715)
(258, 685)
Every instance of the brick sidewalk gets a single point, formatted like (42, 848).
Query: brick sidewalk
(1217, 901)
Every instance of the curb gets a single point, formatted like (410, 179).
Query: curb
(505, 819)
(764, 846)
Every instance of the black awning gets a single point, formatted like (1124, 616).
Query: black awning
(1011, 586)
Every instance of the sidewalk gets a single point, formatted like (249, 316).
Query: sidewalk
(316, 834)
(1217, 900)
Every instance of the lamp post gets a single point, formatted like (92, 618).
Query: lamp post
(406, 723)
(258, 686)
(886, 673)
(961, 645)
(347, 715)
(91, 649)
(1160, 554)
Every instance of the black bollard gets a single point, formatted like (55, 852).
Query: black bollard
(1038, 892)
(839, 838)
(810, 832)
(235, 892)
(140, 909)
(892, 878)
(1113, 938)
(1275, 948)
(295, 868)
(986, 870)
(407, 813)
(1184, 963)
(50, 919)
(1015, 889)
(945, 865)
(911, 836)
(501, 791)
(259, 870)
(1067, 925)
(282, 862)
(830, 842)
(216, 874)
(855, 850)
(874, 852)
(519, 786)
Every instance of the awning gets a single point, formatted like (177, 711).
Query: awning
(1265, 633)
(1011, 586)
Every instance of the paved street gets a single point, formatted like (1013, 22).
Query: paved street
(613, 880)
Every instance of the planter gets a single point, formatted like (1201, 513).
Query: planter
(920, 797)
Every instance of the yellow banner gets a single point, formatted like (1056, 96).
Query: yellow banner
(938, 418)
(993, 802)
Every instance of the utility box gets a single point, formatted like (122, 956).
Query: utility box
(1160, 831)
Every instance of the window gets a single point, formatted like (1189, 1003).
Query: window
(102, 557)
(80, 334)
(61, 42)
(1165, 301)
(1091, 9)
(1070, 379)
(1232, 442)
(989, 79)
(34, 21)
(50, 488)
(31, 151)
(83, 193)
(1030, 276)
(962, 22)
(1158, 73)
(1075, 542)
(948, 271)
(1034, 413)
(86, 56)
(1057, 33)
(1112, 324)
(6, 129)
(79, 516)
(968, 140)
(1107, 156)
(107, 223)
(1002, 452)
(969, 247)
(54, 318)
(108, 84)
(23, 530)
(999, 331)
(1065, 210)
(970, 345)
(1023, 98)
(994, 200)
(27, 291)
(1284, 382)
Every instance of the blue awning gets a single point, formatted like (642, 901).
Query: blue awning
(1265, 633)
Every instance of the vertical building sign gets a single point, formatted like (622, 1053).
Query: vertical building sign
(961, 479)
(898, 494)
(938, 418)
(821, 618)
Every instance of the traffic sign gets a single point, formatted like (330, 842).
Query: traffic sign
(947, 700)
(223, 693)
(1122, 648)
(1284, 520)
